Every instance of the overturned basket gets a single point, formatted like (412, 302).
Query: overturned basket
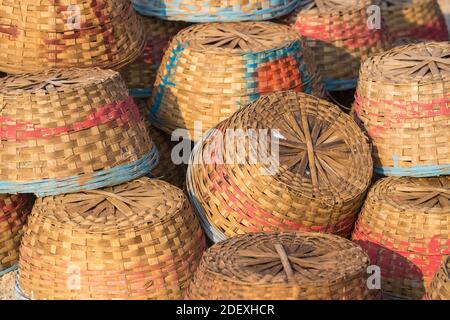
(212, 70)
(139, 240)
(440, 286)
(403, 100)
(289, 161)
(14, 210)
(404, 227)
(67, 130)
(339, 35)
(41, 34)
(215, 11)
(273, 266)
(415, 19)
(140, 75)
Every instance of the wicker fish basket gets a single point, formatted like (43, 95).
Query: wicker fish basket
(403, 102)
(276, 265)
(140, 75)
(65, 130)
(37, 35)
(212, 70)
(340, 37)
(14, 210)
(404, 227)
(416, 19)
(440, 286)
(289, 161)
(215, 11)
(138, 240)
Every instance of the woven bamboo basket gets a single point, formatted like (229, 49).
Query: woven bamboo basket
(65, 130)
(339, 35)
(140, 75)
(215, 11)
(404, 227)
(416, 19)
(403, 102)
(212, 70)
(273, 266)
(440, 286)
(139, 240)
(295, 162)
(14, 210)
(37, 35)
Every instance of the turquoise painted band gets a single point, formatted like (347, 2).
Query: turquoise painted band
(417, 171)
(105, 178)
(8, 270)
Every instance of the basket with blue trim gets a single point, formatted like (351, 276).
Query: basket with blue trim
(403, 102)
(212, 70)
(66, 130)
(215, 11)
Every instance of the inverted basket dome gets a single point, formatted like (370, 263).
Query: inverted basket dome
(440, 286)
(288, 266)
(289, 161)
(139, 240)
(215, 11)
(65, 130)
(14, 210)
(37, 35)
(140, 75)
(402, 100)
(339, 35)
(404, 227)
(416, 19)
(212, 70)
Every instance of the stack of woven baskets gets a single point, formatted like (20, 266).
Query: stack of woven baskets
(402, 102)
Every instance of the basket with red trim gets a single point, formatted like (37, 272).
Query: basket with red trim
(65, 130)
(404, 227)
(288, 161)
(415, 19)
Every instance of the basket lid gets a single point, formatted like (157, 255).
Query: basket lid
(136, 204)
(322, 153)
(330, 6)
(54, 80)
(421, 62)
(421, 194)
(237, 38)
(274, 258)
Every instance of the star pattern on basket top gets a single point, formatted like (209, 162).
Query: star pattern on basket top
(425, 193)
(418, 63)
(313, 148)
(279, 261)
(243, 37)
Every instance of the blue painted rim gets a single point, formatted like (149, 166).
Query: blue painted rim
(8, 270)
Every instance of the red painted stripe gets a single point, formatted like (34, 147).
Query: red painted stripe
(123, 112)
(436, 31)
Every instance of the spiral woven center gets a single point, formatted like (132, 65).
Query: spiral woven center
(312, 148)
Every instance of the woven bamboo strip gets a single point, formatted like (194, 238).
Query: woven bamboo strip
(440, 286)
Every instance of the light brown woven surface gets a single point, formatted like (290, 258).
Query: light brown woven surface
(14, 211)
(139, 240)
(440, 286)
(71, 122)
(282, 266)
(41, 34)
(141, 73)
(404, 226)
(212, 70)
(338, 34)
(402, 100)
(417, 19)
(7, 286)
(324, 170)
